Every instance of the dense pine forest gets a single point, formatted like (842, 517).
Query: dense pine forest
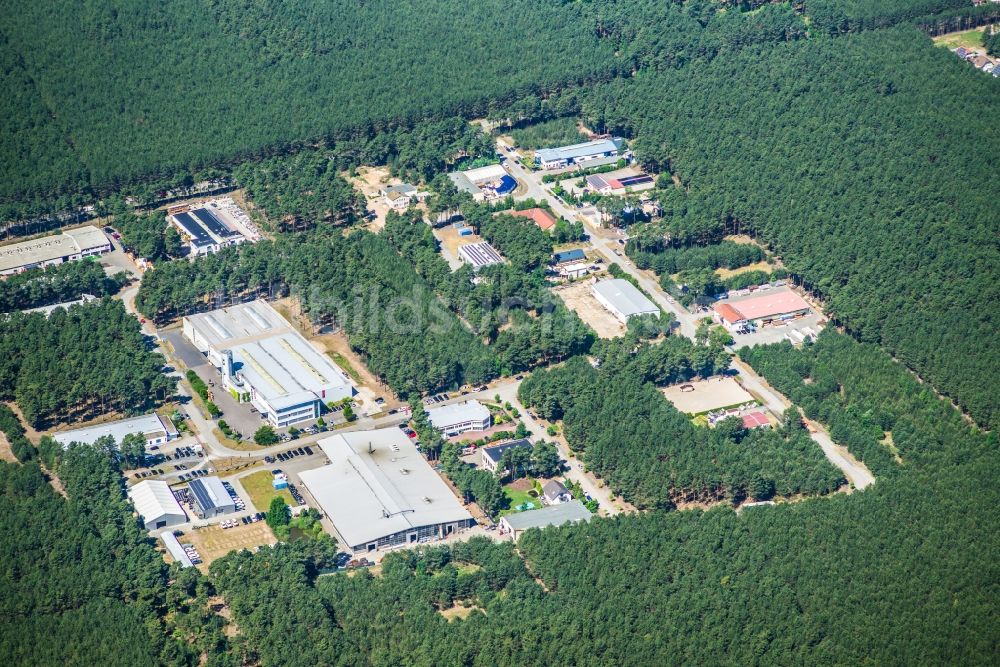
(835, 135)
(856, 171)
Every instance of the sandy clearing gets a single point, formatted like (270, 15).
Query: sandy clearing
(708, 394)
(578, 298)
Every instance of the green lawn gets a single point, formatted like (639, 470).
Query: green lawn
(258, 487)
(518, 498)
(968, 39)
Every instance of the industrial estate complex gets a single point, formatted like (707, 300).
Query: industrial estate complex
(380, 492)
(207, 228)
(484, 183)
(67, 246)
(264, 361)
(591, 153)
(777, 304)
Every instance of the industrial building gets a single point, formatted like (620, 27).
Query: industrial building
(379, 492)
(48, 310)
(205, 228)
(460, 417)
(780, 304)
(484, 183)
(399, 197)
(491, 455)
(175, 549)
(219, 330)
(265, 361)
(623, 299)
(156, 504)
(70, 245)
(559, 514)
(587, 153)
(479, 254)
(211, 498)
(158, 431)
(569, 256)
(605, 184)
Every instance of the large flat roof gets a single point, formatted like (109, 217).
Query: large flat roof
(238, 324)
(286, 370)
(463, 183)
(769, 304)
(152, 499)
(47, 248)
(624, 296)
(576, 151)
(456, 413)
(553, 515)
(146, 424)
(491, 172)
(377, 484)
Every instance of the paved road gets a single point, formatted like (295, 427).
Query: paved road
(855, 471)
(605, 246)
(587, 481)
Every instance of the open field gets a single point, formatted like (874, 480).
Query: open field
(213, 542)
(970, 39)
(707, 395)
(578, 298)
(258, 487)
(759, 266)
(460, 612)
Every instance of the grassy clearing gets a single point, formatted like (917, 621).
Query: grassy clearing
(759, 266)
(345, 366)
(258, 487)
(967, 38)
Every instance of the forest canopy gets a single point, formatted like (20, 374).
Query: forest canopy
(872, 211)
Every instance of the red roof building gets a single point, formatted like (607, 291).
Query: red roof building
(755, 420)
(728, 313)
(539, 216)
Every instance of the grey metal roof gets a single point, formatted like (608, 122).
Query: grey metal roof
(209, 493)
(577, 151)
(378, 484)
(463, 183)
(48, 248)
(553, 515)
(148, 425)
(624, 296)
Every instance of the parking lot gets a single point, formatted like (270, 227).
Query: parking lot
(212, 542)
(806, 325)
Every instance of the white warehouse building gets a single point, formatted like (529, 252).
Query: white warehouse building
(70, 245)
(379, 492)
(157, 430)
(460, 417)
(623, 299)
(266, 362)
(155, 503)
